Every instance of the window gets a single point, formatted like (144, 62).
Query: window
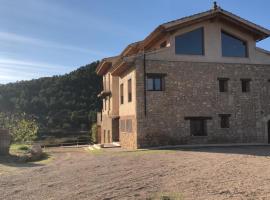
(223, 84)
(191, 43)
(129, 126)
(121, 94)
(122, 125)
(198, 127)
(163, 44)
(104, 83)
(155, 82)
(245, 83)
(108, 136)
(224, 120)
(129, 91)
(232, 46)
(126, 126)
(109, 102)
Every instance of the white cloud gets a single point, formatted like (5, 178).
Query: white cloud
(12, 70)
(12, 37)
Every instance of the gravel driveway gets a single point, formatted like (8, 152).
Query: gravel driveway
(205, 173)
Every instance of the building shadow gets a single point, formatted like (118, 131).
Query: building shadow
(252, 150)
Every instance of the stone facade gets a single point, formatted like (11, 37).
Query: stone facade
(5, 140)
(192, 89)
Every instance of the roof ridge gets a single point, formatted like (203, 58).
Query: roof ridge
(189, 16)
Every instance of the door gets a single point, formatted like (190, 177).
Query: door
(268, 130)
(198, 127)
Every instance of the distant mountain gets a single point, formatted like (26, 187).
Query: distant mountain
(66, 102)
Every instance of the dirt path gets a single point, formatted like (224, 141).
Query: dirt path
(206, 173)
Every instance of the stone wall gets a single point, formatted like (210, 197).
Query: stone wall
(192, 89)
(5, 140)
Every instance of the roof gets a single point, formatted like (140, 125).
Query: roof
(105, 64)
(257, 31)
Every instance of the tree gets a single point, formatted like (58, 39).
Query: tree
(22, 128)
(56, 101)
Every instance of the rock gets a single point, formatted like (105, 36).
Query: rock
(35, 152)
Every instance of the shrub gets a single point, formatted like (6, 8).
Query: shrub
(22, 128)
(93, 133)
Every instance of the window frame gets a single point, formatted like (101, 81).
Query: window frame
(156, 76)
(225, 87)
(224, 121)
(129, 88)
(203, 120)
(248, 86)
(235, 37)
(191, 54)
(121, 93)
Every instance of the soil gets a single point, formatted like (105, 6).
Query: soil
(204, 173)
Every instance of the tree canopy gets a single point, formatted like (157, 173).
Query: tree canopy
(60, 102)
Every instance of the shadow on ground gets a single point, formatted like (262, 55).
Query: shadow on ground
(15, 161)
(263, 150)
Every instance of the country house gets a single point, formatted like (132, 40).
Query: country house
(195, 80)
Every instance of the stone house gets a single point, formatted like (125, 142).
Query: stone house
(196, 80)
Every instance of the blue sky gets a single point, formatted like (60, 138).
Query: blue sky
(51, 37)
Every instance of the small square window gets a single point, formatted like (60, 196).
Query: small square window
(245, 83)
(224, 120)
(155, 82)
(223, 84)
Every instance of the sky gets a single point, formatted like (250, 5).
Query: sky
(41, 38)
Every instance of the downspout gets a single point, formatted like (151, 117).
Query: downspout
(144, 78)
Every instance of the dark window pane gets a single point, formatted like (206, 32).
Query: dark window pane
(190, 43)
(157, 83)
(129, 91)
(232, 46)
(223, 85)
(150, 84)
(121, 93)
(224, 121)
(198, 127)
(245, 85)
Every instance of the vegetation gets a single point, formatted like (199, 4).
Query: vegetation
(22, 128)
(93, 133)
(68, 102)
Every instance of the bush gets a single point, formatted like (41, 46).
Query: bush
(22, 128)
(93, 133)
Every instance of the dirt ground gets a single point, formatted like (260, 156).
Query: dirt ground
(204, 173)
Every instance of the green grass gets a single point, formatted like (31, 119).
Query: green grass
(96, 151)
(19, 148)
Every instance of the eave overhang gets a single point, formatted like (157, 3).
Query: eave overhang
(103, 67)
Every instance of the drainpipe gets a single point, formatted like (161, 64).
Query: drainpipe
(144, 78)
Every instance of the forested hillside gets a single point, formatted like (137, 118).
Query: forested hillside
(67, 102)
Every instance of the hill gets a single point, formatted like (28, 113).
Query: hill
(66, 102)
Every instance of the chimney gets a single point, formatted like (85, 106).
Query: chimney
(215, 7)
